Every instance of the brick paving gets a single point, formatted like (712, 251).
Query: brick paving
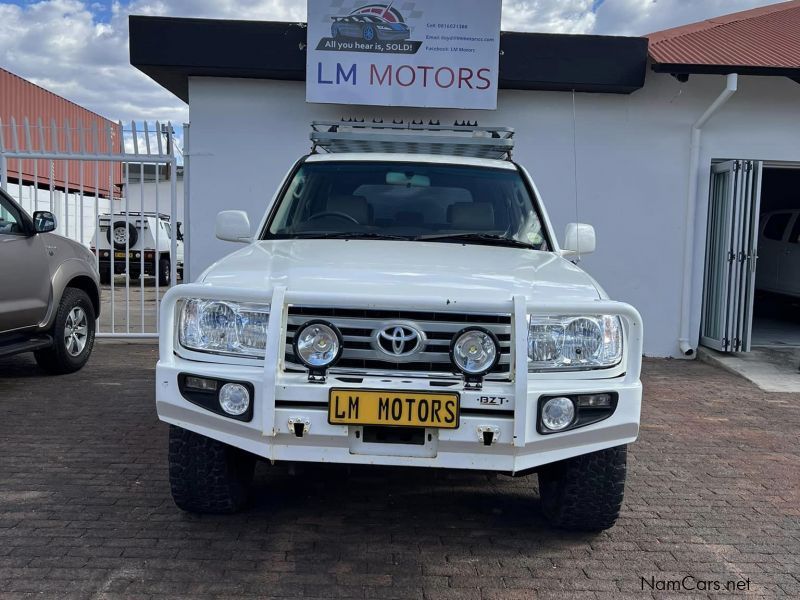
(85, 512)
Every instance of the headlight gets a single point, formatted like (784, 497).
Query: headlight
(570, 342)
(223, 327)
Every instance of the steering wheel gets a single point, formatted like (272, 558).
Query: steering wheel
(339, 215)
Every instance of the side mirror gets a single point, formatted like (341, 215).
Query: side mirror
(179, 231)
(233, 226)
(578, 240)
(44, 221)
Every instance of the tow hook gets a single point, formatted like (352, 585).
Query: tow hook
(299, 426)
(488, 434)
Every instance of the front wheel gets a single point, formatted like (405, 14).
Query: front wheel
(584, 493)
(73, 334)
(368, 33)
(207, 476)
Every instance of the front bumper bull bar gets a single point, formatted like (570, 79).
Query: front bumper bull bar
(506, 407)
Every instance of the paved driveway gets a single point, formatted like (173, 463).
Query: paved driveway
(85, 512)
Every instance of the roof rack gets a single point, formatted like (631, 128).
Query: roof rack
(460, 139)
(136, 214)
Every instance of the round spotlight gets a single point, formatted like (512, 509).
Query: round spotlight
(234, 399)
(475, 351)
(558, 413)
(318, 344)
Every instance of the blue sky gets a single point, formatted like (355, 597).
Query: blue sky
(79, 48)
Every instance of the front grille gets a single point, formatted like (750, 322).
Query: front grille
(359, 327)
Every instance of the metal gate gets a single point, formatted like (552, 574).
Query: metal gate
(97, 181)
(731, 255)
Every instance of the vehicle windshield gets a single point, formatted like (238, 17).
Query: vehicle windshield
(408, 201)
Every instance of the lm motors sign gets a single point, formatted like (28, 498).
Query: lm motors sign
(426, 53)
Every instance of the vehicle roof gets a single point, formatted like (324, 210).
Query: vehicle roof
(412, 158)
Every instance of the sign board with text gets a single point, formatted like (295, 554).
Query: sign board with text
(426, 53)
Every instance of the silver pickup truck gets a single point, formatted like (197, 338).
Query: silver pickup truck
(49, 291)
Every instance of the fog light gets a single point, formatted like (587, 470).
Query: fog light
(318, 345)
(234, 399)
(474, 351)
(558, 413)
(200, 384)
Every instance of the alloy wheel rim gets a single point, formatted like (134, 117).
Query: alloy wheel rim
(76, 331)
(120, 235)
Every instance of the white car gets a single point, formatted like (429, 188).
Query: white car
(137, 243)
(778, 268)
(403, 309)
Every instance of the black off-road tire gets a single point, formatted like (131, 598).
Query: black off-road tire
(56, 360)
(164, 273)
(207, 476)
(584, 493)
(133, 235)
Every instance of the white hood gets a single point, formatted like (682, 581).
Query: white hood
(410, 269)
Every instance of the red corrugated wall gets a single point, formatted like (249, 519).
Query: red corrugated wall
(22, 99)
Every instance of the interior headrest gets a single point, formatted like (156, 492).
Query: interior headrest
(471, 215)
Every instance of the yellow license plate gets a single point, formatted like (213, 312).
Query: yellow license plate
(119, 255)
(398, 409)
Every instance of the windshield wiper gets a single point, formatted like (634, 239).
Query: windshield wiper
(352, 236)
(486, 238)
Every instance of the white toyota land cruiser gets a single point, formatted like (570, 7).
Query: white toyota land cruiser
(403, 302)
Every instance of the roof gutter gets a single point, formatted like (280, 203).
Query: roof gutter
(731, 86)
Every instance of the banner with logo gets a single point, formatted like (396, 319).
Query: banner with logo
(427, 53)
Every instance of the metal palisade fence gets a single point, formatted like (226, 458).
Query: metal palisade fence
(113, 189)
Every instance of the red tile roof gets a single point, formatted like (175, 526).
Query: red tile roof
(762, 38)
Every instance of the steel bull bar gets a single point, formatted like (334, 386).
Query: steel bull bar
(271, 435)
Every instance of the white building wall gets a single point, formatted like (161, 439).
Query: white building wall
(632, 154)
(154, 197)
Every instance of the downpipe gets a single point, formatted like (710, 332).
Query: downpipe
(731, 86)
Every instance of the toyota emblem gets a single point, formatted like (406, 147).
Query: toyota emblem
(399, 340)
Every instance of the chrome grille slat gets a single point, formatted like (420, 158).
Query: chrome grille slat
(504, 345)
(358, 326)
(370, 354)
(432, 326)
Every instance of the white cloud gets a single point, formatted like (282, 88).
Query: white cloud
(639, 17)
(548, 16)
(79, 49)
